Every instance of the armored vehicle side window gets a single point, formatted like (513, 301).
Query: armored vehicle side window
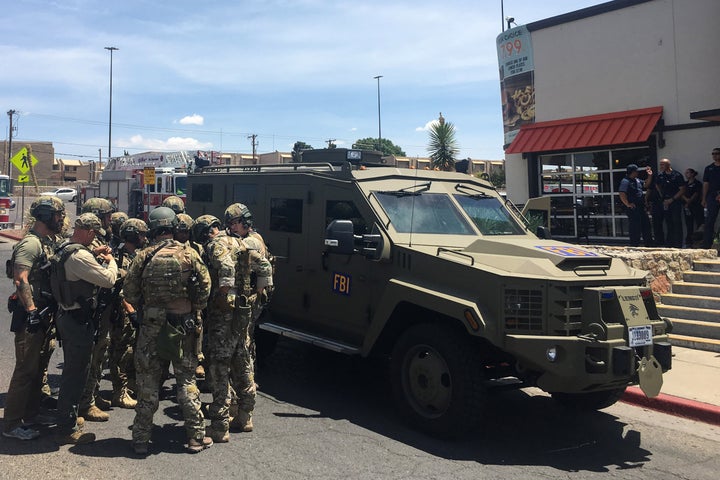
(423, 213)
(489, 215)
(345, 210)
(286, 215)
(202, 192)
(245, 193)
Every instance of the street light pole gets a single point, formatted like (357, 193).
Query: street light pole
(379, 129)
(111, 50)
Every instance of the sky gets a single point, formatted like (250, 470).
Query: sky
(192, 75)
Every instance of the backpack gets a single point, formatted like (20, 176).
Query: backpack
(165, 277)
(61, 288)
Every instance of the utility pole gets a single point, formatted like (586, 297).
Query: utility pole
(253, 138)
(330, 142)
(109, 152)
(6, 161)
(379, 129)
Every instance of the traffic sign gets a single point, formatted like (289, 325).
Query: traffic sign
(23, 178)
(22, 160)
(149, 176)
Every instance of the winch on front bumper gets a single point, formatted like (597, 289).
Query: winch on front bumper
(621, 341)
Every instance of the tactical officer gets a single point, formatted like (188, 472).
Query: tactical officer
(229, 318)
(116, 221)
(182, 233)
(174, 203)
(169, 283)
(133, 235)
(91, 403)
(83, 275)
(32, 318)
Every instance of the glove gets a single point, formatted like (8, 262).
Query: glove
(133, 317)
(34, 323)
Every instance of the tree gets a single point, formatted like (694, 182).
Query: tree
(497, 177)
(387, 147)
(443, 146)
(298, 148)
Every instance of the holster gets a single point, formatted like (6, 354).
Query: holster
(242, 316)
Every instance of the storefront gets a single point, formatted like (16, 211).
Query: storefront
(587, 93)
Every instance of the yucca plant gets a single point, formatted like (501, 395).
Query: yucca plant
(443, 146)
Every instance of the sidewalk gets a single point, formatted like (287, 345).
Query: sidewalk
(691, 389)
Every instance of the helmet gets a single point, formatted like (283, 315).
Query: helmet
(175, 203)
(184, 223)
(45, 206)
(98, 206)
(116, 221)
(238, 211)
(131, 228)
(88, 221)
(201, 227)
(162, 218)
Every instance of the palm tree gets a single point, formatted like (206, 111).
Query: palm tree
(443, 146)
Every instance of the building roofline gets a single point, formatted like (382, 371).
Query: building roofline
(583, 13)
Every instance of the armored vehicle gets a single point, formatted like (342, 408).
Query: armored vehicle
(435, 271)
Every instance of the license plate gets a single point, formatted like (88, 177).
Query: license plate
(640, 336)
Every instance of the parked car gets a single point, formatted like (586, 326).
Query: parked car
(63, 193)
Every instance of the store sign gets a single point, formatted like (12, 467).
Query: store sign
(517, 86)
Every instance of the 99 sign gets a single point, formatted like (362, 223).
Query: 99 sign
(512, 48)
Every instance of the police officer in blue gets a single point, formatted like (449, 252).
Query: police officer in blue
(632, 197)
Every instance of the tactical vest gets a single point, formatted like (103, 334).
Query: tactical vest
(39, 275)
(68, 292)
(242, 267)
(166, 277)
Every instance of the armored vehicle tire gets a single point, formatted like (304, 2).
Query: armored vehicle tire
(437, 381)
(589, 400)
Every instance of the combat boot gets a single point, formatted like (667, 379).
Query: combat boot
(141, 448)
(242, 422)
(123, 399)
(75, 438)
(195, 446)
(94, 414)
(102, 404)
(218, 436)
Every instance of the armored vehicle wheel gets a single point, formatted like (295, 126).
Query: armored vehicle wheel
(589, 400)
(437, 380)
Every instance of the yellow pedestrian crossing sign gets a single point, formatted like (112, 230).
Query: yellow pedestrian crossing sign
(22, 160)
(23, 179)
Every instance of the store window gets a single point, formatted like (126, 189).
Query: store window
(583, 190)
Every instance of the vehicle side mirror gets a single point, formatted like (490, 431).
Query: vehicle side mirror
(340, 237)
(543, 232)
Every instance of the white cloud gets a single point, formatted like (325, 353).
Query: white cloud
(171, 144)
(193, 119)
(427, 126)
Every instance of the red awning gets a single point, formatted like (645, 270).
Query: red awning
(617, 128)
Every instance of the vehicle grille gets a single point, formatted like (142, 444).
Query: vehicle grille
(523, 310)
(565, 309)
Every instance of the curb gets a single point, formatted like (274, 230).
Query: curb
(12, 234)
(681, 407)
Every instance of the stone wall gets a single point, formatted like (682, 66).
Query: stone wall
(665, 266)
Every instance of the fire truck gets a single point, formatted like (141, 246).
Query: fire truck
(5, 201)
(136, 184)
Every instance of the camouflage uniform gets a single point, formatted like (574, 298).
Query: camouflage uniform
(33, 347)
(228, 322)
(169, 300)
(122, 331)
